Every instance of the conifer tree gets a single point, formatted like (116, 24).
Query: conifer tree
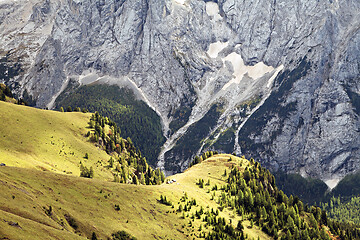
(135, 180)
(93, 236)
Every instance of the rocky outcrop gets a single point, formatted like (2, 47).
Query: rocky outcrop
(283, 76)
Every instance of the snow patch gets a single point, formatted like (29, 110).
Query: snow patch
(257, 74)
(181, 2)
(216, 48)
(7, 1)
(212, 9)
(240, 69)
(332, 183)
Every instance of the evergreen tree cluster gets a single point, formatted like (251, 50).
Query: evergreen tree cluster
(343, 210)
(203, 157)
(253, 193)
(163, 200)
(76, 109)
(127, 163)
(86, 172)
(342, 204)
(310, 190)
(135, 118)
(6, 95)
(4, 92)
(346, 231)
(186, 204)
(122, 235)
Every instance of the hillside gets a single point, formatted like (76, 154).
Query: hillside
(199, 203)
(135, 119)
(48, 141)
(91, 203)
(5, 94)
(43, 154)
(71, 143)
(342, 203)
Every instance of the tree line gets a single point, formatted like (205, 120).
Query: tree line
(135, 118)
(126, 161)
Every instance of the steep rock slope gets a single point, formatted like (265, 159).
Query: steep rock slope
(277, 79)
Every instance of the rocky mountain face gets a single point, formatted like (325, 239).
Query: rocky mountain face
(273, 79)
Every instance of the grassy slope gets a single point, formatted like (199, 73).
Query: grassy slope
(213, 168)
(42, 150)
(91, 204)
(47, 140)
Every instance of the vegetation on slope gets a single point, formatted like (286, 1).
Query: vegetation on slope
(251, 193)
(126, 162)
(48, 141)
(203, 157)
(190, 142)
(342, 203)
(5, 93)
(222, 197)
(308, 189)
(346, 211)
(47, 205)
(64, 143)
(44, 205)
(134, 117)
(349, 186)
(7, 96)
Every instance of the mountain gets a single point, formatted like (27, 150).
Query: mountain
(48, 192)
(275, 80)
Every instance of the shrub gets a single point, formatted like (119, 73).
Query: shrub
(122, 235)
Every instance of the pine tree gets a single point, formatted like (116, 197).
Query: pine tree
(135, 180)
(111, 162)
(93, 237)
(290, 224)
(240, 227)
(142, 179)
(313, 221)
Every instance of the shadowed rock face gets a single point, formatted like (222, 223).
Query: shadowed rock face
(298, 111)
